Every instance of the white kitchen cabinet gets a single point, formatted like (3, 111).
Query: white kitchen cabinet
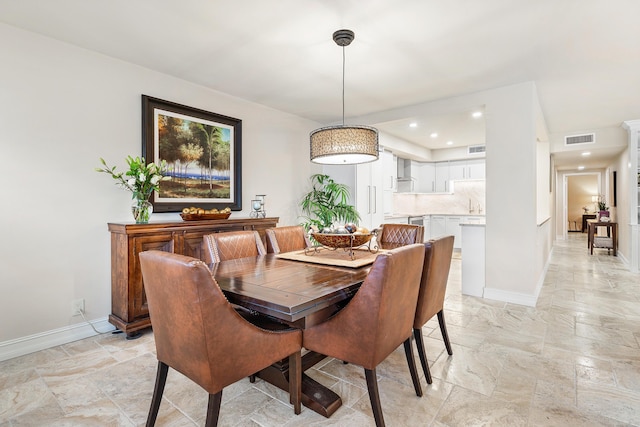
(426, 178)
(438, 226)
(457, 170)
(476, 169)
(442, 177)
(369, 194)
(390, 171)
(467, 169)
(426, 223)
(452, 228)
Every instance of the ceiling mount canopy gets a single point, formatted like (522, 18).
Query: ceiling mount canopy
(342, 144)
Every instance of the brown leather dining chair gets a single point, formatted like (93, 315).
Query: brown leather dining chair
(376, 320)
(199, 334)
(228, 245)
(394, 235)
(286, 239)
(433, 286)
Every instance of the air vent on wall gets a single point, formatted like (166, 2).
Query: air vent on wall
(476, 149)
(587, 138)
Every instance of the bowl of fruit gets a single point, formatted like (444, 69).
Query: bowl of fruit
(198, 214)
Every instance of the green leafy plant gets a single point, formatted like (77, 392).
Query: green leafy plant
(326, 203)
(141, 179)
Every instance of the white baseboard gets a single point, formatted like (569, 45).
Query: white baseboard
(512, 297)
(32, 343)
(517, 297)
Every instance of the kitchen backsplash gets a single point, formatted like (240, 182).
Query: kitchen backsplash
(468, 198)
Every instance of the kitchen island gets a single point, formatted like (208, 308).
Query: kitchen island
(473, 257)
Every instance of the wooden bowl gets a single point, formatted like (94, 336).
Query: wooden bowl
(341, 240)
(201, 217)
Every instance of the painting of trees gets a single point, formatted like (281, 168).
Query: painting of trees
(199, 157)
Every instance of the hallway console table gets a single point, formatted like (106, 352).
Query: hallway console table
(129, 311)
(609, 242)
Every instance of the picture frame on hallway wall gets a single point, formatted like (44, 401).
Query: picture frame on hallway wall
(203, 152)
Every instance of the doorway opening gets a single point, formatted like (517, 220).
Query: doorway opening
(579, 204)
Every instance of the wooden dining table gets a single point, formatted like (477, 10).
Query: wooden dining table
(298, 293)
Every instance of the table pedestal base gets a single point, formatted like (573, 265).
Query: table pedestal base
(315, 396)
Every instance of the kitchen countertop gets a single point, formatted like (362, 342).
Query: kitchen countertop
(413, 215)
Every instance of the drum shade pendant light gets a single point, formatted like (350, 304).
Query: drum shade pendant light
(342, 144)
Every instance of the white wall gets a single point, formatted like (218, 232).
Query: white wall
(513, 124)
(61, 108)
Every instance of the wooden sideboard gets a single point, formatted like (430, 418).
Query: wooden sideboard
(129, 311)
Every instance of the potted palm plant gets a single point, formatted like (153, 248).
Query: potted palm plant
(327, 203)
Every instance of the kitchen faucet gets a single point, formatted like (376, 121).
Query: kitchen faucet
(471, 207)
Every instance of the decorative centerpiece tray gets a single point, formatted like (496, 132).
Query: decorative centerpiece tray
(348, 242)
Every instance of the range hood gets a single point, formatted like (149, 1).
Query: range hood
(405, 170)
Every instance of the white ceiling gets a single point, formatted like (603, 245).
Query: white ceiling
(583, 55)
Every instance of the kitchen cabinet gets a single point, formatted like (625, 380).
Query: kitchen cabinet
(444, 225)
(438, 226)
(442, 177)
(369, 196)
(426, 223)
(452, 228)
(476, 169)
(389, 180)
(467, 169)
(426, 178)
(390, 171)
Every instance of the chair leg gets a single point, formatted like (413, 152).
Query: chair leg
(443, 329)
(213, 409)
(295, 381)
(161, 380)
(417, 333)
(408, 352)
(374, 396)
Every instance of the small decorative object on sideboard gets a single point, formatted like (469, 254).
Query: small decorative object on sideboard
(257, 207)
(199, 214)
(142, 179)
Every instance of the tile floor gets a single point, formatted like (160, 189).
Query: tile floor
(574, 360)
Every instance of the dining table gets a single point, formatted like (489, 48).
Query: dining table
(299, 289)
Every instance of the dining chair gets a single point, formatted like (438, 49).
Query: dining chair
(286, 239)
(393, 235)
(433, 286)
(200, 335)
(376, 321)
(228, 245)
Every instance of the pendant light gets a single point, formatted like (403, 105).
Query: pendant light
(344, 144)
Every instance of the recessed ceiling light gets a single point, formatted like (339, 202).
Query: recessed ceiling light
(476, 114)
(580, 168)
(413, 125)
(586, 153)
(449, 142)
(434, 135)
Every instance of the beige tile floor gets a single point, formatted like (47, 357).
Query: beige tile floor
(574, 360)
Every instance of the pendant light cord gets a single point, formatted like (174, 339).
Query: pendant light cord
(343, 68)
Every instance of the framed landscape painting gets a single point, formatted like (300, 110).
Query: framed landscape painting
(203, 155)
